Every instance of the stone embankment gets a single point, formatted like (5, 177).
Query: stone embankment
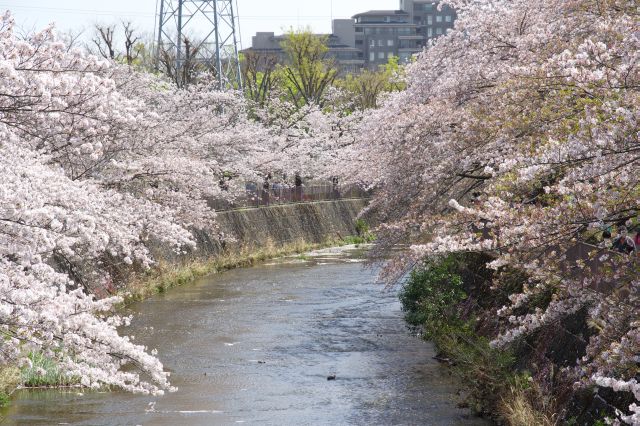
(313, 223)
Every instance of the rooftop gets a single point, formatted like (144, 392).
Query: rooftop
(382, 13)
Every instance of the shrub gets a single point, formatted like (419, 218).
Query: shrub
(362, 227)
(432, 299)
(430, 296)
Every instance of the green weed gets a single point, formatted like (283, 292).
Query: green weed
(45, 372)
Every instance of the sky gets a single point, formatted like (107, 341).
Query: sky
(255, 15)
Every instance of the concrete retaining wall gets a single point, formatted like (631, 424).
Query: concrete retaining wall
(279, 225)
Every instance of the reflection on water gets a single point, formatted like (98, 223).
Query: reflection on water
(257, 346)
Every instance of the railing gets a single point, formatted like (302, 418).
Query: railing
(257, 195)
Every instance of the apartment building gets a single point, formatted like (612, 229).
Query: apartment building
(369, 39)
(430, 20)
(381, 34)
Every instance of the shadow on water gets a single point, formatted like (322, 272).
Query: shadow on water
(257, 346)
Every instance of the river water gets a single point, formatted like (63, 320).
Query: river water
(257, 345)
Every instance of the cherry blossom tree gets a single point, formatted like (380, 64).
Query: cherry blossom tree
(46, 220)
(518, 136)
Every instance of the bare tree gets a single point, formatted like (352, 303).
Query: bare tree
(186, 72)
(71, 38)
(123, 43)
(130, 42)
(104, 41)
(107, 42)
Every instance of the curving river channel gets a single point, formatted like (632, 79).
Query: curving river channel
(257, 345)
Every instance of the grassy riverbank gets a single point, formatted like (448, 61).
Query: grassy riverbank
(9, 381)
(166, 276)
(451, 300)
(431, 299)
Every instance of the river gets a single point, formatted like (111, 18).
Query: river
(257, 346)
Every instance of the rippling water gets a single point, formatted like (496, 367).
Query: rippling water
(257, 345)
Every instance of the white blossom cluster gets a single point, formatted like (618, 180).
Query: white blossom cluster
(623, 386)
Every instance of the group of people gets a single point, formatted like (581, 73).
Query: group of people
(623, 242)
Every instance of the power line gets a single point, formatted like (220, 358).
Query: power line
(143, 14)
(77, 11)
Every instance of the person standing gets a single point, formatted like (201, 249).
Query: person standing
(266, 186)
(298, 182)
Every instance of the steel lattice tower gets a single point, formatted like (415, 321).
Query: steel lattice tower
(213, 23)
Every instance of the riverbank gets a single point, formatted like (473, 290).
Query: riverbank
(256, 235)
(454, 303)
(166, 276)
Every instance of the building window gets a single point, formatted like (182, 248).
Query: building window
(372, 43)
(359, 43)
(380, 55)
(372, 56)
(428, 7)
(380, 43)
(429, 32)
(359, 29)
(390, 43)
(429, 19)
(439, 31)
(447, 18)
(439, 18)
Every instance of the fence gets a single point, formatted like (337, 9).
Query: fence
(255, 195)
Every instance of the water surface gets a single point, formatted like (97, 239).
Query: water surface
(256, 346)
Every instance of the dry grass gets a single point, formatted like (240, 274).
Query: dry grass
(9, 380)
(517, 409)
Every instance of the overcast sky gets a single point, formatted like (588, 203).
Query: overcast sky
(255, 15)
